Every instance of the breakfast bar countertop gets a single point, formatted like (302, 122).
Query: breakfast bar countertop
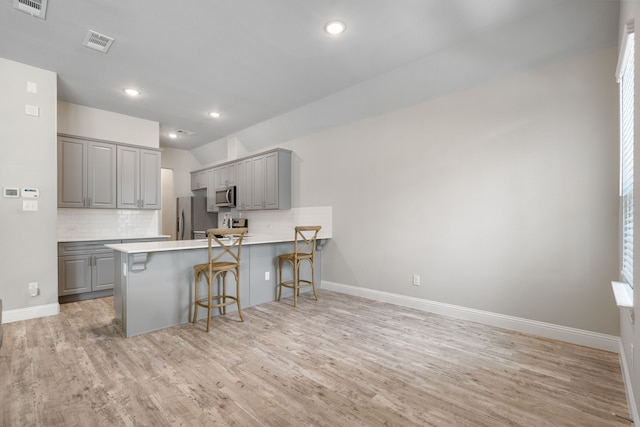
(179, 245)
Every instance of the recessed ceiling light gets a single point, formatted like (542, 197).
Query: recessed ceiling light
(335, 27)
(215, 114)
(131, 92)
(173, 135)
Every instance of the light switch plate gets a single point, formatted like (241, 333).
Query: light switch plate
(32, 110)
(29, 205)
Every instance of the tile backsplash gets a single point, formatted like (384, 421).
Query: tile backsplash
(107, 223)
(282, 222)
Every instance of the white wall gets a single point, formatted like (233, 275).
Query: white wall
(503, 198)
(181, 162)
(88, 122)
(28, 159)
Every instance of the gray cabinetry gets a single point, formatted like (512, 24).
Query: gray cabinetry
(211, 191)
(262, 181)
(86, 174)
(138, 178)
(271, 180)
(244, 186)
(85, 267)
(199, 180)
(226, 175)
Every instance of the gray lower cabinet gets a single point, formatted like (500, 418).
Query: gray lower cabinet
(87, 269)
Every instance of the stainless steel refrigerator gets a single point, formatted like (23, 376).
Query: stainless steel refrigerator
(192, 218)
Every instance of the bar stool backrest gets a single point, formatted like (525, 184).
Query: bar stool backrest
(229, 240)
(305, 240)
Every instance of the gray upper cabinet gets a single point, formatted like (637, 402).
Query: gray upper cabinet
(138, 178)
(271, 179)
(211, 191)
(86, 174)
(244, 186)
(199, 180)
(262, 181)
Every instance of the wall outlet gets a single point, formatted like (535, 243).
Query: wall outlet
(416, 280)
(266, 275)
(34, 291)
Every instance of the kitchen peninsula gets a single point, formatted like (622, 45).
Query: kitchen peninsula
(154, 280)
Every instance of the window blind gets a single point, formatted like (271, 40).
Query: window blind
(626, 158)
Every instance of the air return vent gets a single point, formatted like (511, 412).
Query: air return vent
(182, 132)
(97, 41)
(37, 8)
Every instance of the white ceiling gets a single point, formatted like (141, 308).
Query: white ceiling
(257, 60)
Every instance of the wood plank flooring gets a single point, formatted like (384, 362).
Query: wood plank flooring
(341, 361)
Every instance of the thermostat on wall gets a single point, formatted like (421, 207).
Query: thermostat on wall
(11, 192)
(30, 193)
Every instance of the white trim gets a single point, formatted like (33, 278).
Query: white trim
(623, 294)
(622, 53)
(547, 330)
(626, 377)
(27, 313)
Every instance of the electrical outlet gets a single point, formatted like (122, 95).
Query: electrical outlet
(416, 280)
(266, 275)
(34, 291)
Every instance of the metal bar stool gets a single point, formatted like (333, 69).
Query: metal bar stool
(304, 249)
(230, 242)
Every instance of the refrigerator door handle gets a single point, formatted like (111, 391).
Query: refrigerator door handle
(181, 225)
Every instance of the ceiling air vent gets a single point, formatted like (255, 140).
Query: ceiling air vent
(37, 8)
(97, 41)
(182, 132)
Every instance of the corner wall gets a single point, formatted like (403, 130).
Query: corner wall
(28, 247)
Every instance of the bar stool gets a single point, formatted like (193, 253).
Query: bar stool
(230, 242)
(304, 249)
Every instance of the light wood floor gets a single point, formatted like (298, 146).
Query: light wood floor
(342, 361)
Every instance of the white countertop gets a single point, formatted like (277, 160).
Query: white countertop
(99, 239)
(178, 245)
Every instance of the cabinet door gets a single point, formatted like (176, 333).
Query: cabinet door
(128, 177)
(211, 191)
(257, 182)
(199, 180)
(232, 174)
(72, 172)
(103, 272)
(74, 274)
(101, 171)
(244, 186)
(150, 179)
(271, 181)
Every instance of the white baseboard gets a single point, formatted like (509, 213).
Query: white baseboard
(547, 330)
(27, 313)
(626, 376)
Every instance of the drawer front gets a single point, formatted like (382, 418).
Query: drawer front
(75, 248)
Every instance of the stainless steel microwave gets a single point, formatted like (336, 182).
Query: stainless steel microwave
(226, 197)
